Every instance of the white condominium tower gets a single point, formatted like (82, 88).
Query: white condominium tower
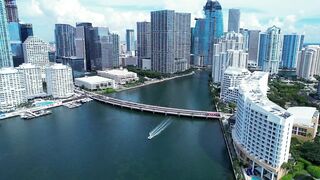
(263, 130)
(308, 64)
(32, 80)
(228, 52)
(230, 85)
(36, 51)
(12, 89)
(59, 81)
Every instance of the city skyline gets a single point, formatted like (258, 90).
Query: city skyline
(254, 15)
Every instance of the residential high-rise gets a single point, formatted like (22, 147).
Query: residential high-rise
(170, 41)
(26, 31)
(12, 89)
(36, 51)
(83, 42)
(291, 45)
(207, 31)
(143, 41)
(65, 42)
(245, 34)
(59, 81)
(234, 20)
(232, 78)
(253, 45)
(32, 78)
(130, 40)
(319, 90)
(301, 42)
(263, 130)
(116, 50)
(16, 43)
(270, 50)
(12, 11)
(228, 52)
(5, 56)
(308, 63)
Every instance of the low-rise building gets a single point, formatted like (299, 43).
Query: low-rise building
(12, 89)
(120, 76)
(59, 81)
(32, 79)
(230, 84)
(305, 124)
(95, 83)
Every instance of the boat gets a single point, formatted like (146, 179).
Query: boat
(72, 105)
(156, 131)
(30, 115)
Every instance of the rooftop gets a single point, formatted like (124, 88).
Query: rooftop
(212, 5)
(93, 79)
(27, 66)
(8, 70)
(235, 70)
(303, 116)
(118, 72)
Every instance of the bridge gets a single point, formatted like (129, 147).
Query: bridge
(154, 109)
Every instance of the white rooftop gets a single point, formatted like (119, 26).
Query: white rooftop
(93, 79)
(118, 72)
(27, 66)
(8, 70)
(236, 70)
(58, 66)
(303, 116)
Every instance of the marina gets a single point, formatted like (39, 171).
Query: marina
(34, 114)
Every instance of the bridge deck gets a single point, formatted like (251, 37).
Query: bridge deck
(155, 109)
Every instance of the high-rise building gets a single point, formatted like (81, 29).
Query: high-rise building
(5, 50)
(291, 45)
(270, 50)
(105, 53)
(308, 63)
(116, 50)
(170, 41)
(130, 40)
(234, 20)
(319, 90)
(253, 45)
(301, 42)
(207, 31)
(16, 43)
(228, 52)
(36, 51)
(83, 42)
(12, 11)
(59, 81)
(245, 34)
(12, 89)
(143, 41)
(26, 31)
(263, 130)
(65, 43)
(33, 80)
(231, 82)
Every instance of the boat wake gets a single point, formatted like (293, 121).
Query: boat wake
(157, 130)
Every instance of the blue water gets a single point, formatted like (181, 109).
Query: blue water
(44, 103)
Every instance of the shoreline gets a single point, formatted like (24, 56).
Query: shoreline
(155, 82)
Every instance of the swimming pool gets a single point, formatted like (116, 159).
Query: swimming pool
(255, 178)
(43, 103)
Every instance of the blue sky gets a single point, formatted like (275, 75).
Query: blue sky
(302, 17)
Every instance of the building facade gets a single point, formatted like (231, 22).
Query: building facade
(16, 43)
(206, 31)
(232, 78)
(12, 89)
(234, 20)
(253, 45)
(308, 63)
(120, 76)
(65, 42)
(83, 43)
(5, 49)
(26, 31)
(11, 10)
(291, 45)
(262, 133)
(130, 40)
(270, 45)
(95, 83)
(170, 41)
(143, 41)
(32, 79)
(36, 51)
(59, 81)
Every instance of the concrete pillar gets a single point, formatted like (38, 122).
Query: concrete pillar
(272, 176)
(253, 167)
(262, 170)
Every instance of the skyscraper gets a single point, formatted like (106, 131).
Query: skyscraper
(116, 46)
(262, 132)
(5, 56)
(16, 43)
(270, 50)
(253, 45)
(83, 42)
(234, 20)
(65, 43)
(207, 31)
(143, 41)
(26, 31)
(291, 45)
(36, 51)
(170, 41)
(130, 40)
(12, 11)
(308, 64)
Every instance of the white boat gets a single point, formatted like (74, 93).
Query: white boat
(162, 126)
